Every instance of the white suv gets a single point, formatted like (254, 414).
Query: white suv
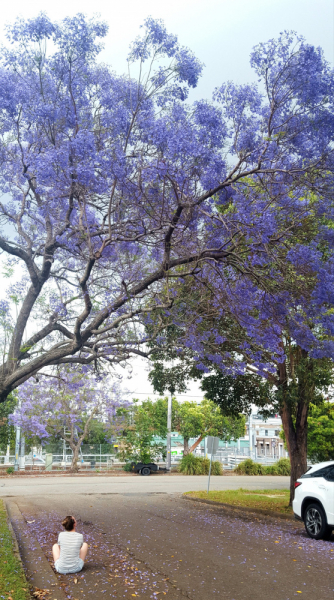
(314, 500)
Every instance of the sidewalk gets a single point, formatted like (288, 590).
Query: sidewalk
(108, 572)
(36, 566)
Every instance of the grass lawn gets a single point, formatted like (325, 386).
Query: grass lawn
(276, 500)
(13, 584)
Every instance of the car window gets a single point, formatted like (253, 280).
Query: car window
(330, 475)
(319, 473)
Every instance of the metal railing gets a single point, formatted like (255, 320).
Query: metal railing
(105, 461)
(97, 461)
(227, 456)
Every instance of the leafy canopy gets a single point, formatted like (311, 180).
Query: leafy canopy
(114, 187)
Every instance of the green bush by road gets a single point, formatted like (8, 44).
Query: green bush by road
(274, 500)
(13, 583)
(127, 467)
(195, 465)
(249, 467)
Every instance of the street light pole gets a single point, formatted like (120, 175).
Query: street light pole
(22, 454)
(250, 435)
(17, 447)
(169, 433)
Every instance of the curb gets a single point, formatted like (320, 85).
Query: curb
(37, 568)
(259, 511)
(12, 532)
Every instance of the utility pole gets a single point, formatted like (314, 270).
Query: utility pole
(22, 453)
(250, 435)
(169, 432)
(17, 447)
(64, 451)
(8, 450)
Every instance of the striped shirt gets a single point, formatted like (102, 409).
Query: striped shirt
(70, 543)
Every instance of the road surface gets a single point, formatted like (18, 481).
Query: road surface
(171, 484)
(146, 543)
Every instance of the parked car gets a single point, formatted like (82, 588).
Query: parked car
(314, 500)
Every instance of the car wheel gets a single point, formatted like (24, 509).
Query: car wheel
(146, 471)
(315, 522)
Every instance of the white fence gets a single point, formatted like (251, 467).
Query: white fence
(228, 459)
(91, 461)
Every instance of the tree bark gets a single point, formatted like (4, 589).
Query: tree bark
(186, 446)
(296, 434)
(296, 439)
(195, 444)
(74, 465)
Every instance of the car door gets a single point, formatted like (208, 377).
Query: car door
(320, 489)
(329, 496)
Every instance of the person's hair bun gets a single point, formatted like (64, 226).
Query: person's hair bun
(68, 523)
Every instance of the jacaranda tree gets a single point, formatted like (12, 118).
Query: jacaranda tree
(258, 351)
(65, 406)
(113, 186)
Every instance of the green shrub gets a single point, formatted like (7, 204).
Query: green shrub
(127, 467)
(195, 465)
(10, 470)
(188, 464)
(216, 468)
(203, 466)
(281, 467)
(249, 467)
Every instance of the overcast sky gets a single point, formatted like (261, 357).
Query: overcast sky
(220, 32)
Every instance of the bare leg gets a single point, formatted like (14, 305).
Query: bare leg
(55, 551)
(83, 551)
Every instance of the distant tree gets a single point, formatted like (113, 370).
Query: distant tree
(201, 420)
(97, 432)
(138, 440)
(189, 419)
(65, 407)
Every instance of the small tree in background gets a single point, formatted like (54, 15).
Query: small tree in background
(65, 406)
(189, 419)
(138, 442)
(200, 420)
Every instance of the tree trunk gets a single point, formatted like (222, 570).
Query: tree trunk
(296, 439)
(195, 444)
(296, 434)
(74, 466)
(186, 446)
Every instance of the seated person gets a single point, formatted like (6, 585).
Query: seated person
(70, 552)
